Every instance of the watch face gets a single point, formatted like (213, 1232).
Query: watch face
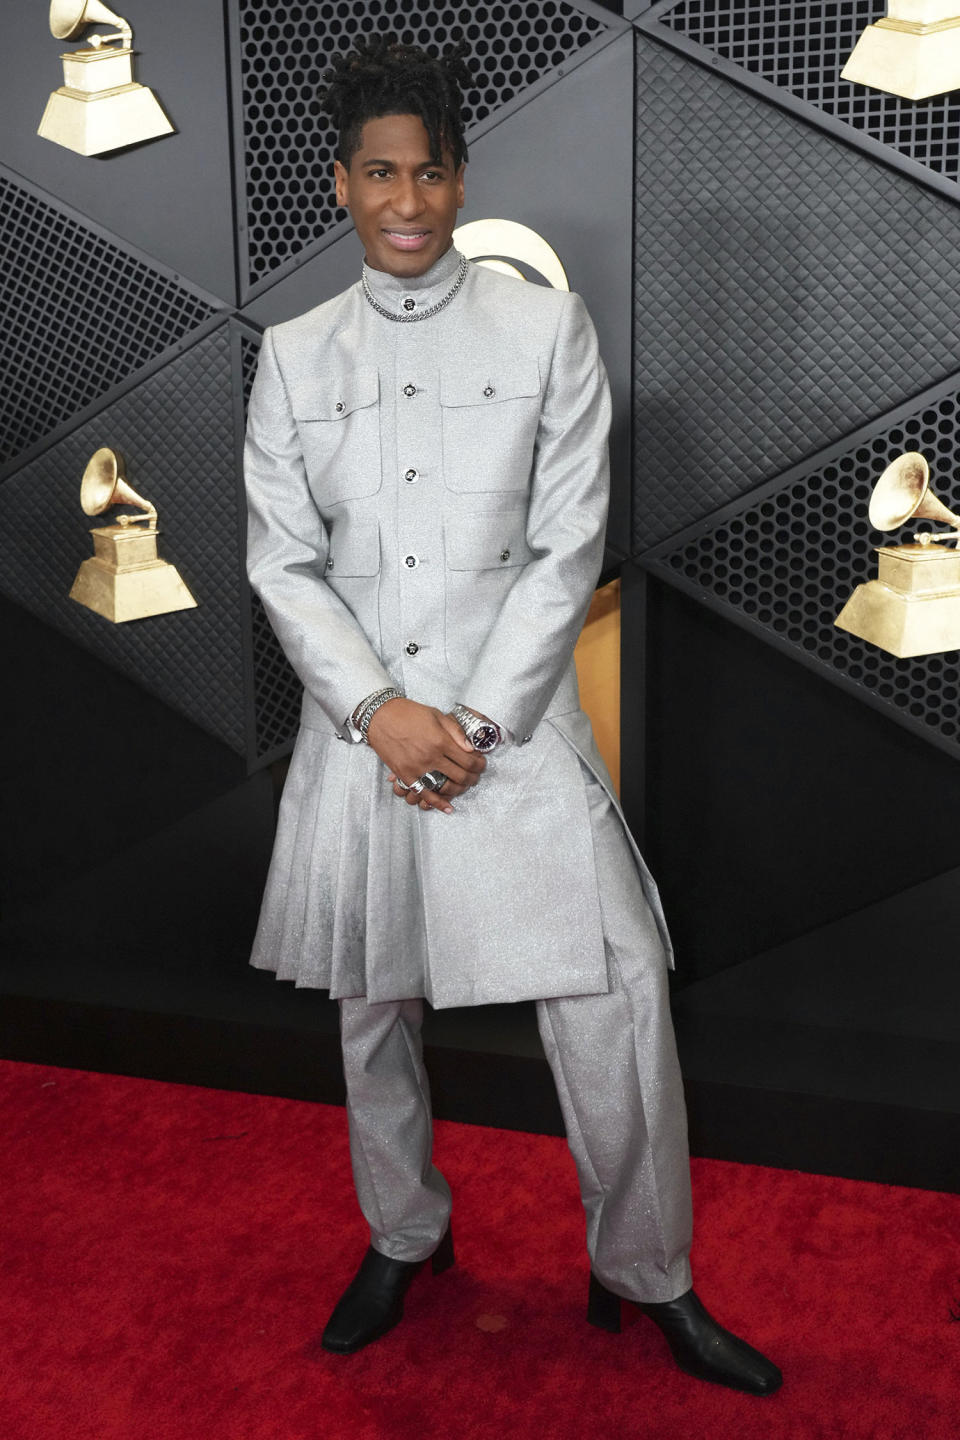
(484, 737)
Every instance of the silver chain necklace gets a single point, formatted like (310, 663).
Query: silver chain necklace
(423, 314)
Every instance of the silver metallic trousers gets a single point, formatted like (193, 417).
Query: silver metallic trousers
(614, 1063)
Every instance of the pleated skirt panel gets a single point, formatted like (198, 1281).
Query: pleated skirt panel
(342, 908)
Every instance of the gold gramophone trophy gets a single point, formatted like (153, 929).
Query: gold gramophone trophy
(99, 106)
(124, 579)
(913, 607)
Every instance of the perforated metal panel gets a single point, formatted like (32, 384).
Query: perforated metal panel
(176, 431)
(802, 46)
(277, 692)
(786, 287)
(80, 315)
(284, 50)
(787, 561)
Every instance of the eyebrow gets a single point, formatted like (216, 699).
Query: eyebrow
(421, 165)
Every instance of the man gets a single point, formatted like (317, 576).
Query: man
(427, 478)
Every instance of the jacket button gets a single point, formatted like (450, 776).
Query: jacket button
(527, 739)
(411, 562)
(339, 407)
(412, 648)
(504, 554)
(409, 389)
(410, 476)
(330, 563)
(409, 303)
(488, 390)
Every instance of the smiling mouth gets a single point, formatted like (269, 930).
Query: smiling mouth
(407, 239)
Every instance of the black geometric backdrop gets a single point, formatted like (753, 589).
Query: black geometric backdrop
(795, 286)
(176, 429)
(288, 143)
(786, 289)
(801, 46)
(785, 559)
(80, 315)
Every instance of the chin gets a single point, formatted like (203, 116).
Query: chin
(406, 263)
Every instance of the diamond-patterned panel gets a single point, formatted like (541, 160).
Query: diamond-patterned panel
(277, 692)
(80, 315)
(802, 46)
(786, 286)
(787, 560)
(176, 433)
(284, 50)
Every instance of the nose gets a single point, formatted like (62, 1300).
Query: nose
(407, 198)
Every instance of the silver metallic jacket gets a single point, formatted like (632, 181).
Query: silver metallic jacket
(427, 504)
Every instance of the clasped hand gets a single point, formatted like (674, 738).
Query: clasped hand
(411, 739)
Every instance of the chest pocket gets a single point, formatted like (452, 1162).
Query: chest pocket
(353, 571)
(339, 427)
(489, 420)
(485, 554)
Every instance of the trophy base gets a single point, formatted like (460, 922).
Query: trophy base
(91, 124)
(134, 594)
(901, 62)
(903, 625)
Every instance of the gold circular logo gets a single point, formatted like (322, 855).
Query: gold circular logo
(495, 243)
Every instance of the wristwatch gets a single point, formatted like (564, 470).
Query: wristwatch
(482, 734)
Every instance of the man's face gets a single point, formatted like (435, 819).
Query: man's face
(403, 204)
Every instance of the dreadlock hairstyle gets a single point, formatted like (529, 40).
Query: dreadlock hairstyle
(382, 77)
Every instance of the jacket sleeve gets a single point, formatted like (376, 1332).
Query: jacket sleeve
(531, 641)
(287, 545)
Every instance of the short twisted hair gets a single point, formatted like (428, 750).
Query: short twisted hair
(382, 77)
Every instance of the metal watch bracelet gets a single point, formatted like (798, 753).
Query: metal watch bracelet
(483, 734)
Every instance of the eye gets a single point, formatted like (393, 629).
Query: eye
(379, 174)
(432, 176)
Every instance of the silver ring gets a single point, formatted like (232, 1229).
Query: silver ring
(417, 787)
(434, 779)
(401, 783)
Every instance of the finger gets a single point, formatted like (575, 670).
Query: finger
(461, 769)
(473, 760)
(428, 800)
(455, 733)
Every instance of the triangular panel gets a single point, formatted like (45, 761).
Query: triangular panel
(176, 431)
(799, 48)
(783, 562)
(81, 312)
(786, 287)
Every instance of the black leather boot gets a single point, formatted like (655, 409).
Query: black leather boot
(699, 1345)
(373, 1301)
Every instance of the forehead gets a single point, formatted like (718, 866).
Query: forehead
(396, 137)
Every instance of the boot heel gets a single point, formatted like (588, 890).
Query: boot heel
(443, 1257)
(603, 1307)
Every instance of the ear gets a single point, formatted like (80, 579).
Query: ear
(460, 186)
(343, 183)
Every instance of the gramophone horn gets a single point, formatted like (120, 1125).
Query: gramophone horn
(68, 17)
(902, 493)
(103, 485)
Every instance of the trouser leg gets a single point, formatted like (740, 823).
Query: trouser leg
(404, 1198)
(614, 1062)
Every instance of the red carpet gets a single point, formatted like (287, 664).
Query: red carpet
(169, 1255)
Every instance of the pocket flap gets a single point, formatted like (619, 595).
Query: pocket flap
(337, 397)
(354, 548)
(487, 542)
(489, 387)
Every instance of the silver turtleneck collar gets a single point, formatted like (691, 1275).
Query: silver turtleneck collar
(415, 297)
